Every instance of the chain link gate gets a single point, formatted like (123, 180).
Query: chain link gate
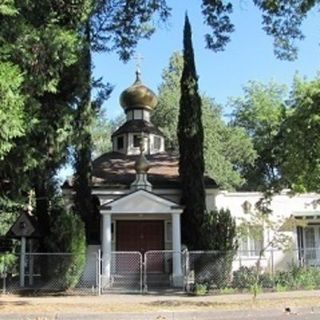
(159, 267)
(123, 272)
(132, 272)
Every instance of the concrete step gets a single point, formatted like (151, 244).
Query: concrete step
(160, 280)
(126, 280)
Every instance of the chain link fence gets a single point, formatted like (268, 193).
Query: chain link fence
(91, 274)
(122, 271)
(276, 270)
(210, 267)
(50, 273)
(159, 270)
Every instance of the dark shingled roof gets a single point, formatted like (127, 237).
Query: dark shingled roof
(116, 170)
(137, 126)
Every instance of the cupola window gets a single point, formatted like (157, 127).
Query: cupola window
(157, 143)
(120, 143)
(136, 140)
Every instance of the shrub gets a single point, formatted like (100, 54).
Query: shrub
(228, 290)
(284, 279)
(67, 236)
(8, 261)
(246, 278)
(243, 278)
(200, 289)
(218, 235)
(299, 278)
(266, 280)
(213, 269)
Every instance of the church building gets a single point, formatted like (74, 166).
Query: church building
(137, 191)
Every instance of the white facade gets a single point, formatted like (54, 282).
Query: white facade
(305, 239)
(303, 207)
(141, 206)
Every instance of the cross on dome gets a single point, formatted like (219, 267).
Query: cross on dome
(138, 58)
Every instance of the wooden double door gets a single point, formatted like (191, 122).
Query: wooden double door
(141, 236)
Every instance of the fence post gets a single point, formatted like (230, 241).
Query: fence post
(145, 279)
(141, 272)
(99, 272)
(4, 277)
(22, 261)
(272, 262)
(31, 262)
(187, 270)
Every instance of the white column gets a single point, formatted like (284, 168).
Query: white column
(106, 248)
(176, 247)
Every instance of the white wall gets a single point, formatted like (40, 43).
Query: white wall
(283, 206)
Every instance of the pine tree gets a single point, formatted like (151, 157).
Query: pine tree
(190, 137)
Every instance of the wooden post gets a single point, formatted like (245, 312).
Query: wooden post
(22, 261)
(30, 262)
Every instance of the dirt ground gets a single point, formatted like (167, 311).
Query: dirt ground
(13, 304)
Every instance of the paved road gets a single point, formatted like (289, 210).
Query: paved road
(298, 314)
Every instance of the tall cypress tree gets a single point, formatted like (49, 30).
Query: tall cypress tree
(190, 137)
(83, 159)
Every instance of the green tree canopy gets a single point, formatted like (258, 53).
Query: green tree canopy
(283, 19)
(284, 130)
(12, 112)
(226, 148)
(50, 44)
(261, 112)
(300, 147)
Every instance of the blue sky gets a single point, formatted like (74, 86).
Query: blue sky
(249, 55)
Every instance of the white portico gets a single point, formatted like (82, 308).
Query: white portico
(141, 207)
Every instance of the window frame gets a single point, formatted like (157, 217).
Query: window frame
(156, 142)
(136, 138)
(250, 247)
(121, 138)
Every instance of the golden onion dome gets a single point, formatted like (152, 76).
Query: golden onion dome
(138, 96)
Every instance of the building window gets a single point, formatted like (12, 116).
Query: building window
(251, 243)
(120, 143)
(113, 234)
(309, 242)
(136, 140)
(157, 143)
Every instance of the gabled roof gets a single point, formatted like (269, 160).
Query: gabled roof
(141, 202)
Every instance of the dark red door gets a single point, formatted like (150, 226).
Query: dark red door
(142, 236)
